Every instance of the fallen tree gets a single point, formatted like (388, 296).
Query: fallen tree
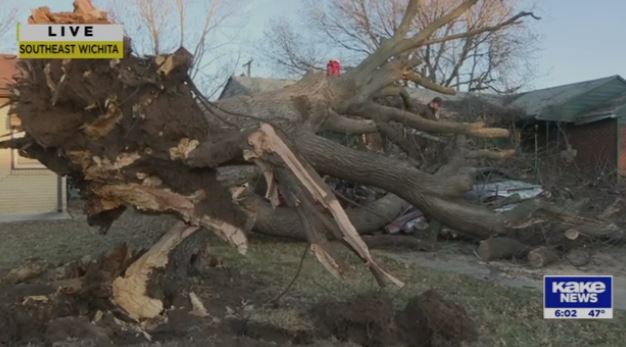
(137, 133)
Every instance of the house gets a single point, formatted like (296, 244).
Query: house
(244, 85)
(27, 189)
(588, 118)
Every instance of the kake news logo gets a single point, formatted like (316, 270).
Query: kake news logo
(578, 297)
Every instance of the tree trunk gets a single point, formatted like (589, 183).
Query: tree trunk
(542, 256)
(284, 221)
(501, 248)
(398, 242)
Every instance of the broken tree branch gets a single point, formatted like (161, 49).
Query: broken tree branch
(130, 291)
(513, 20)
(386, 113)
(267, 140)
(349, 126)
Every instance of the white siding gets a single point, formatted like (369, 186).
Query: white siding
(24, 191)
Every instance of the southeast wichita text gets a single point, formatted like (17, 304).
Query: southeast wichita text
(68, 48)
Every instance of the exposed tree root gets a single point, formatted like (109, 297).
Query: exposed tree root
(130, 291)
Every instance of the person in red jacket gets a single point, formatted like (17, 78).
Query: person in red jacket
(333, 68)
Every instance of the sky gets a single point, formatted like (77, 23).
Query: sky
(581, 40)
(578, 39)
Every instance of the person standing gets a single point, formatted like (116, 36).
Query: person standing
(434, 106)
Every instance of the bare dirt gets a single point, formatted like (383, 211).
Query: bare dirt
(482, 304)
(371, 320)
(45, 310)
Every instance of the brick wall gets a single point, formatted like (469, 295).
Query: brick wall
(596, 144)
(622, 149)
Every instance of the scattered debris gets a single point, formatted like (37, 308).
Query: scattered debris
(410, 221)
(198, 306)
(30, 269)
(511, 191)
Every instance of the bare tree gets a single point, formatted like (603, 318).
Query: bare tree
(493, 59)
(290, 50)
(161, 26)
(134, 135)
(488, 60)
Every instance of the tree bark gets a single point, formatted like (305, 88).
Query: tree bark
(501, 248)
(542, 256)
(398, 242)
(284, 221)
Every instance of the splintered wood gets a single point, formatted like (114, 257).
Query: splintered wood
(267, 141)
(130, 290)
(151, 199)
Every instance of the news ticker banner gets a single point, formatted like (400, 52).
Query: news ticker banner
(70, 41)
(578, 297)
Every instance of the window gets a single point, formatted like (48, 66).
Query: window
(19, 162)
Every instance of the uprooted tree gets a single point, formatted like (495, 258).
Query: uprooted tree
(136, 133)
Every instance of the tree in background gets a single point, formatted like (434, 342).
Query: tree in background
(290, 50)
(494, 60)
(160, 26)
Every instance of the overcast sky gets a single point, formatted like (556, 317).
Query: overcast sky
(579, 39)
